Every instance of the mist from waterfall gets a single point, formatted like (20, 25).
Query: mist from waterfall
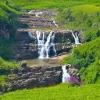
(65, 75)
(44, 45)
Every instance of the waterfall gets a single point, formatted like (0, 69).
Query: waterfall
(37, 14)
(44, 46)
(30, 35)
(30, 12)
(55, 23)
(65, 75)
(75, 35)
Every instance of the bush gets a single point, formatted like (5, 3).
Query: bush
(91, 35)
(7, 65)
(86, 54)
(92, 73)
(6, 49)
(79, 17)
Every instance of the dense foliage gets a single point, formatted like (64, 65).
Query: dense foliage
(7, 65)
(86, 19)
(8, 22)
(86, 54)
(87, 59)
(92, 73)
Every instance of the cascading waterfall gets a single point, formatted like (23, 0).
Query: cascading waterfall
(75, 35)
(65, 75)
(44, 46)
(55, 23)
(31, 36)
(37, 14)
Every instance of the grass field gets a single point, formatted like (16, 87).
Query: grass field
(59, 92)
(51, 4)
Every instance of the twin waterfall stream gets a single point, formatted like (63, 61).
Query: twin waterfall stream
(46, 44)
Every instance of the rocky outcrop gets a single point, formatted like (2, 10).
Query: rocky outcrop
(36, 18)
(29, 77)
(35, 76)
(26, 47)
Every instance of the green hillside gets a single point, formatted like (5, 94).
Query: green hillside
(82, 15)
(86, 54)
(54, 4)
(87, 59)
(60, 92)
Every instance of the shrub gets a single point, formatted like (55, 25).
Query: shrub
(84, 55)
(7, 65)
(92, 73)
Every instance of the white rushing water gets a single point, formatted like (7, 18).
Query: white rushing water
(44, 45)
(65, 75)
(30, 35)
(76, 38)
(38, 14)
(31, 12)
(55, 23)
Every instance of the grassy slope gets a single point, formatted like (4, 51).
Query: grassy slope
(7, 65)
(60, 92)
(80, 17)
(4, 10)
(54, 4)
(4, 67)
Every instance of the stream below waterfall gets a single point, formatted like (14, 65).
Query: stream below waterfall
(46, 62)
(43, 62)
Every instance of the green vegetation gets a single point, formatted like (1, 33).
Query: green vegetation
(7, 65)
(87, 59)
(8, 23)
(91, 34)
(60, 92)
(86, 19)
(86, 54)
(50, 4)
(92, 73)
(6, 47)
(83, 15)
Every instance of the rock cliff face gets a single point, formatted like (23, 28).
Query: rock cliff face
(34, 77)
(26, 47)
(37, 18)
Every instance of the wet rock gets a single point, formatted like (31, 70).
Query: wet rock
(35, 77)
(27, 48)
(24, 65)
